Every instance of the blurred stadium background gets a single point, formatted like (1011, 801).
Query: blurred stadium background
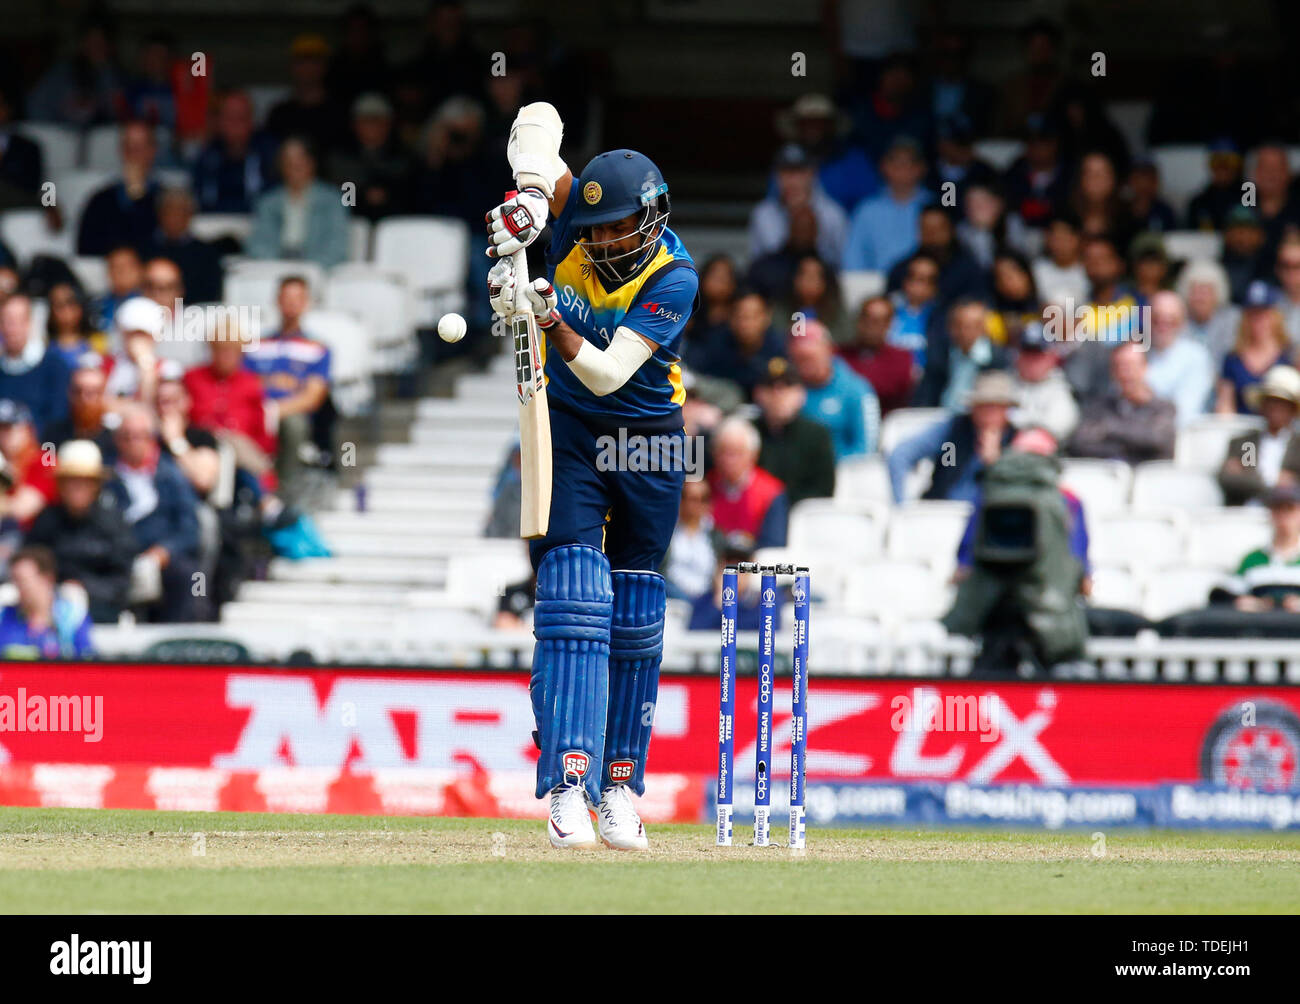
(405, 468)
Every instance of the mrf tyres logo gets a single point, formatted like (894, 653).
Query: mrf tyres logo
(75, 957)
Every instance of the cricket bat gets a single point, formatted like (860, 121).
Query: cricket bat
(534, 415)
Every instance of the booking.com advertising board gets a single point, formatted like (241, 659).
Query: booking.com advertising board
(459, 743)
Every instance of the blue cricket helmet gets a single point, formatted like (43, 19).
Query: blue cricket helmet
(615, 185)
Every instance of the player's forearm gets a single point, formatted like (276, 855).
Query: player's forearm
(602, 371)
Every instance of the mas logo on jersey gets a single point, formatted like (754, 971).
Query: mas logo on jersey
(591, 192)
(576, 763)
(621, 771)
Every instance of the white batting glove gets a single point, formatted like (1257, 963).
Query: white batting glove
(542, 300)
(501, 287)
(516, 223)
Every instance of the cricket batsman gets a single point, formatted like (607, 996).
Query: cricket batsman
(620, 287)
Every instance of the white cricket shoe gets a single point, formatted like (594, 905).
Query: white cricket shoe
(620, 826)
(570, 822)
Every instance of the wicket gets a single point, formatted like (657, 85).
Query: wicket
(727, 701)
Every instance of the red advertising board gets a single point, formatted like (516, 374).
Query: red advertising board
(362, 721)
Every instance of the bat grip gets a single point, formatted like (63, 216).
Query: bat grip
(519, 260)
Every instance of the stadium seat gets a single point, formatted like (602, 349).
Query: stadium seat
(1184, 171)
(1131, 118)
(1116, 588)
(896, 590)
(254, 282)
(72, 190)
(855, 287)
(1203, 443)
(1136, 541)
(433, 253)
(265, 97)
(1170, 591)
(213, 226)
(103, 143)
(27, 234)
(1220, 538)
(862, 479)
(903, 423)
(1102, 486)
(351, 349)
(477, 583)
(1000, 153)
(824, 526)
(1193, 245)
(60, 145)
(928, 532)
(92, 273)
(382, 300)
(359, 232)
(1161, 484)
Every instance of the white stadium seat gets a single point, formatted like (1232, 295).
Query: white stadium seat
(1000, 153)
(27, 234)
(896, 590)
(92, 273)
(862, 479)
(824, 526)
(256, 283)
(855, 287)
(359, 231)
(1115, 587)
(1203, 443)
(1101, 485)
(351, 351)
(1161, 484)
(60, 145)
(380, 299)
(929, 532)
(1193, 245)
(103, 146)
(212, 226)
(1170, 591)
(433, 253)
(904, 423)
(1184, 171)
(1220, 538)
(1136, 541)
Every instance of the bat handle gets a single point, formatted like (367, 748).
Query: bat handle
(520, 262)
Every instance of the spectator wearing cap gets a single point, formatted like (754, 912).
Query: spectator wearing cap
(1179, 368)
(125, 270)
(1148, 211)
(238, 162)
(1130, 422)
(960, 274)
(740, 352)
(307, 112)
(1209, 208)
(133, 374)
(914, 303)
(302, 217)
(294, 371)
(30, 373)
(68, 327)
(844, 171)
(87, 410)
(1287, 270)
(228, 400)
(372, 160)
(746, 498)
(199, 262)
(888, 368)
(835, 396)
(955, 161)
(160, 508)
(883, 229)
(960, 446)
(1261, 344)
(91, 541)
(26, 470)
(1269, 578)
(43, 624)
(1212, 320)
(1259, 459)
(797, 187)
(1243, 255)
(796, 449)
(693, 550)
(1037, 183)
(1045, 399)
(126, 210)
(959, 351)
(1058, 271)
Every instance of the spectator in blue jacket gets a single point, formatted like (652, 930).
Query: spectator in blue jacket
(961, 446)
(160, 507)
(238, 164)
(883, 229)
(303, 217)
(29, 372)
(42, 624)
(836, 397)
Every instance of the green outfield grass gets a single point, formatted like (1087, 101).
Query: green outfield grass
(72, 861)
